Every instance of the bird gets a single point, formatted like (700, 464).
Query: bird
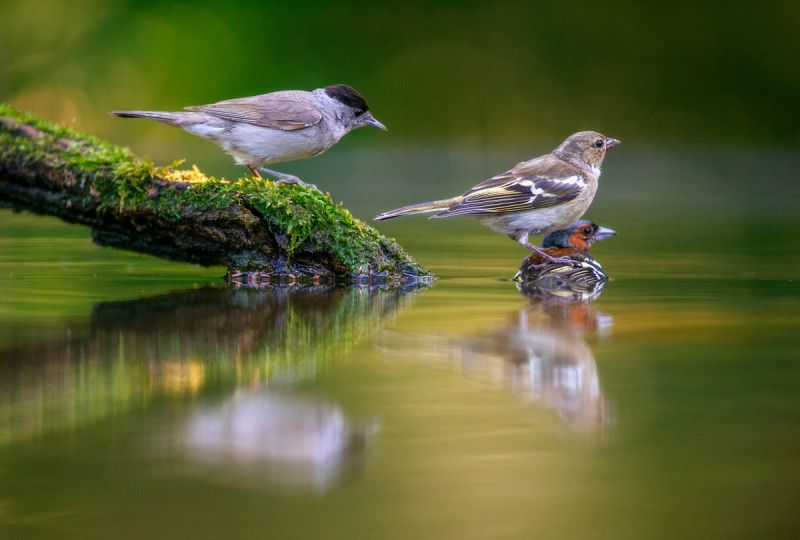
(538, 196)
(274, 127)
(574, 240)
(536, 274)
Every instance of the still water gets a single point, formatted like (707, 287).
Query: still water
(142, 398)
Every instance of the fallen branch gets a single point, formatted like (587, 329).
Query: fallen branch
(261, 232)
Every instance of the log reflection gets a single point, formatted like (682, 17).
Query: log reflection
(182, 345)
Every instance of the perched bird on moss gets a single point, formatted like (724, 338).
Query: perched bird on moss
(583, 274)
(274, 127)
(538, 196)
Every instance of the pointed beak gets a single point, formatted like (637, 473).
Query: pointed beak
(611, 143)
(603, 233)
(374, 123)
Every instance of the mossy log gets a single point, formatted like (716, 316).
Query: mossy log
(262, 232)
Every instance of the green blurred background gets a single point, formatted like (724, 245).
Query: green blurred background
(472, 71)
(704, 95)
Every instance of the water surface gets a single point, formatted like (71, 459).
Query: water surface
(143, 398)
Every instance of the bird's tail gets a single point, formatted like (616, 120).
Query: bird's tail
(169, 118)
(421, 208)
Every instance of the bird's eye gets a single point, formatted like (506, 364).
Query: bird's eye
(598, 143)
(587, 231)
(358, 113)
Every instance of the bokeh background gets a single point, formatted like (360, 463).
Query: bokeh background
(704, 95)
(466, 89)
(481, 72)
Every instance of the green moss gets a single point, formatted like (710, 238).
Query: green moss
(307, 221)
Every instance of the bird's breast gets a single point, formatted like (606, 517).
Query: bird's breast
(276, 145)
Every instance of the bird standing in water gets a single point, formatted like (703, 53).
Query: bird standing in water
(538, 196)
(274, 127)
(572, 244)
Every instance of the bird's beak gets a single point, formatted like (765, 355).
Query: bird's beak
(611, 143)
(374, 123)
(603, 232)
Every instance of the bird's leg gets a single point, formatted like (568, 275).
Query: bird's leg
(523, 241)
(254, 171)
(284, 178)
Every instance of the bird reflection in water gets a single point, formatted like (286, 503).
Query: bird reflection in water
(267, 438)
(204, 364)
(539, 354)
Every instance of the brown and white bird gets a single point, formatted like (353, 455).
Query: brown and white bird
(581, 279)
(274, 127)
(539, 196)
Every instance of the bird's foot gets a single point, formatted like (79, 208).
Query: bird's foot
(549, 258)
(295, 180)
(283, 178)
(556, 260)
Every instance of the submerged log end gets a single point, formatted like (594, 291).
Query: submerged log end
(260, 231)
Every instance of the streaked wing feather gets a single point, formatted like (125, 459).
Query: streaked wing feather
(278, 110)
(509, 193)
(493, 182)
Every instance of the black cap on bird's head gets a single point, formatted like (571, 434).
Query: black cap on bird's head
(349, 96)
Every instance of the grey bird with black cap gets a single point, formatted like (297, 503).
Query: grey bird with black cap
(274, 127)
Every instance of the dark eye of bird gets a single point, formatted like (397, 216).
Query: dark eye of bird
(358, 113)
(598, 143)
(587, 231)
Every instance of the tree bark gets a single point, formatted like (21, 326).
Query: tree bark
(261, 232)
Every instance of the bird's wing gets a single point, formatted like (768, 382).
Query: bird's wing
(518, 191)
(278, 110)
